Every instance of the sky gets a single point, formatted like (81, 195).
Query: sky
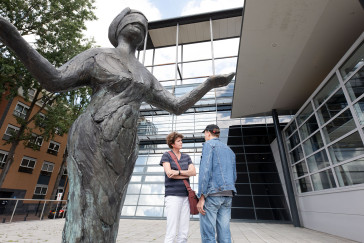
(106, 11)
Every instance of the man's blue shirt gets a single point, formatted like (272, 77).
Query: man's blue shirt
(217, 168)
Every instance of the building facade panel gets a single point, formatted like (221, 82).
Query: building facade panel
(325, 143)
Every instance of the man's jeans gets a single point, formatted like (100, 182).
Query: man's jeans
(218, 214)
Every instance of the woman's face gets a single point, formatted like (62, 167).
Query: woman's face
(134, 27)
(177, 143)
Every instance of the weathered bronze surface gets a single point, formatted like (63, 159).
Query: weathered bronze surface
(102, 142)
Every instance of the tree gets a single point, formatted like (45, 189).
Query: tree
(56, 27)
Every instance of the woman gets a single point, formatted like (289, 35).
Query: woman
(102, 142)
(177, 205)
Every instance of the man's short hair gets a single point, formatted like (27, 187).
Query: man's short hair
(214, 129)
(171, 138)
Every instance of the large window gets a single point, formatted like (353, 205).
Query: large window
(329, 128)
(196, 62)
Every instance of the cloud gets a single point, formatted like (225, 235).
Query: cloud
(106, 11)
(201, 6)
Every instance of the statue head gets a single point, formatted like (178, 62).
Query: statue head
(127, 16)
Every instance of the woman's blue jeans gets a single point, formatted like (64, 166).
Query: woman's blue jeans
(218, 214)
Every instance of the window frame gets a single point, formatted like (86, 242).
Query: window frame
(18, 113)
(51, 150)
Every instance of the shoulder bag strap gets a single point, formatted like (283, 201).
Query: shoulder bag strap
(179, 167)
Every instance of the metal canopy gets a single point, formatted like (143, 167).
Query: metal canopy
(287, 48)
(196, 28)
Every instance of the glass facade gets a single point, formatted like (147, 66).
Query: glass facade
(325, 140)
(180, 69)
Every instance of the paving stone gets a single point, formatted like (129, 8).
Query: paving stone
(142, 231)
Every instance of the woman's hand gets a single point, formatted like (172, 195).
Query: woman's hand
(220, 80)
(172, 173)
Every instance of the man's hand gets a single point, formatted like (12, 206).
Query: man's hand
(200, 204)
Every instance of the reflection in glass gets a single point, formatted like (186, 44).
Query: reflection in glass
(167, 54)
(323, 180)
(154, 159)
(197, 69)
(326, 91)
(355, 85)
(165, 72)
(133, 189)
(304, 114)
(128, 211)
(149, 211)
(308, 127)
(291, 128)
(340, 126)
(300, 169)
(313, 143)
(155, 169)
(151, 200)
(353, 62)
(351, 173)
(293, 140)
(347, 148)
(225, 65)
(318, 161)
(154, 178)
(296, 154)
(359, 110)
(136, 178)
(152, 189)
(131, 199)
(138, 169)
(141, 160)
(334, 105)
(304, 185)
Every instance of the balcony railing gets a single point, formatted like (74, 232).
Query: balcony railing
(12, 209)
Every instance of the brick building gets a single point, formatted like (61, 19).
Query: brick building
(33, 173)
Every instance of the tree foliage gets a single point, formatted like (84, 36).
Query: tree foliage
(54, 28)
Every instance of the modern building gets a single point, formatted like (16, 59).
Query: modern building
(33, 172)
(182, 53)
(299, 66)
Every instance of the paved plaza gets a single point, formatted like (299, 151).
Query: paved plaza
(140, 231)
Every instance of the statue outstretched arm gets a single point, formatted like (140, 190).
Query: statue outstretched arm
(162, 98)
(51, 78)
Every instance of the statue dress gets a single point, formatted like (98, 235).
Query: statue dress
(103, 148)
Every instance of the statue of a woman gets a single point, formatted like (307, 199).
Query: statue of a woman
(102, 142)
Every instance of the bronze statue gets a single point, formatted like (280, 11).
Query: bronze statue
(102, 142)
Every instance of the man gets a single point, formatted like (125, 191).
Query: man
(216, 187)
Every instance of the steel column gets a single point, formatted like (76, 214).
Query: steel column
(287, 176)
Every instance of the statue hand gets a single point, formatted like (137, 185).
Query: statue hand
(220, 80)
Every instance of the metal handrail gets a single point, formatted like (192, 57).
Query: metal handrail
(36, 200)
